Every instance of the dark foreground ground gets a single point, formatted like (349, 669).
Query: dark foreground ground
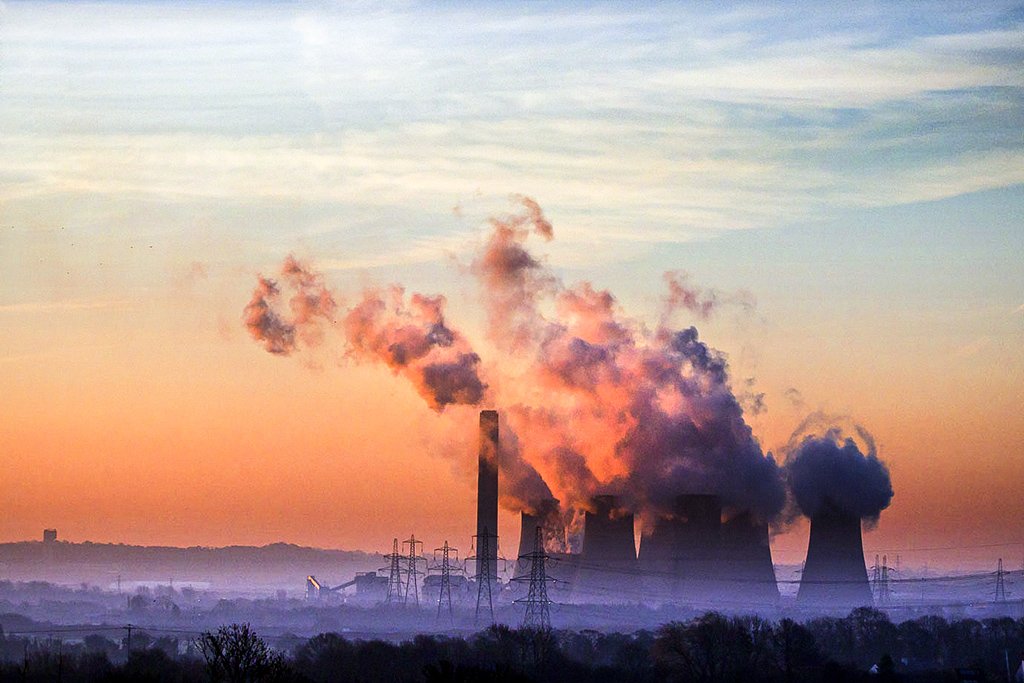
(863, 646)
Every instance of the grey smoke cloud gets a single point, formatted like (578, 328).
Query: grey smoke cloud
(832, 469)
(310, 305)
(265, 325)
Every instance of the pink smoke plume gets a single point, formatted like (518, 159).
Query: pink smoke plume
(414, 341)
(408, 335)
(310, 305)
(512, 279)
(592, 402)
(616, 409)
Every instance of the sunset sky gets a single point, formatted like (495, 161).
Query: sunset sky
(858, 172)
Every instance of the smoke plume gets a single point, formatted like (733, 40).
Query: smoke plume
(310, 305)
(593, 401)
(833, 470)
(616, 409)
(414, 341)
(409, 335)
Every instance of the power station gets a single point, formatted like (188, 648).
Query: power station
(703, 553)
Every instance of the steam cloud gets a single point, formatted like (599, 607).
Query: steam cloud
(409, 335)
(593, 401)
(414, 341)
(832, 471)
(645, 416)
(310, 305)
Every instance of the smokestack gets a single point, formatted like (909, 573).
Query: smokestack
(487, 493)
(608, 564)
(834, 574)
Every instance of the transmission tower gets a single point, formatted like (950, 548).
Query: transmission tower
(395, 595)
(880, 578)
(483, 573)
(412, 585)
(538, 611)
(446, 578)
(886, 595)
(1000, 583)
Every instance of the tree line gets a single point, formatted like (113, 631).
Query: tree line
(863, 646)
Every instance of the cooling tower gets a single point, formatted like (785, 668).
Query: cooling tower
(548, 517)
(746, 574)
(560, 566)
(834, 574)
(660, 560)
(678, 556)
(608, 570)
(528, 526)
(487, 494)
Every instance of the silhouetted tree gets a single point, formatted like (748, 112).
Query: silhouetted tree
(236, 654)
(710, 648)
(795, 649)
(326, 657)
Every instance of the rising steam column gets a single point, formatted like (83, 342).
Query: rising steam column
(487, 494)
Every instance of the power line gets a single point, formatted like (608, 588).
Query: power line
(978, 546)
(727, 579)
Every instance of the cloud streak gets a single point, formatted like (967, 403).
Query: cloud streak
(31, 307)
(648, 135)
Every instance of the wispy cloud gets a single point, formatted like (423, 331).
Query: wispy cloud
(66, 305)
(973, 347)
(642, 126)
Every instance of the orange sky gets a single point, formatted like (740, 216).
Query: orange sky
(176, 433)
(154, 157)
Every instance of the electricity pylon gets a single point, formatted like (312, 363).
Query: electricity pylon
(880, 578)
(538, 612)
(1000, 583)
(446, 579)
(412, 585)
(886, 596)
(483, 573)
(394, 575)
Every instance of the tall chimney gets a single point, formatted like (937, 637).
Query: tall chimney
(834, 574)
(487, 493)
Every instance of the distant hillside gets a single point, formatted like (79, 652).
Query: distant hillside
(242, 570)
